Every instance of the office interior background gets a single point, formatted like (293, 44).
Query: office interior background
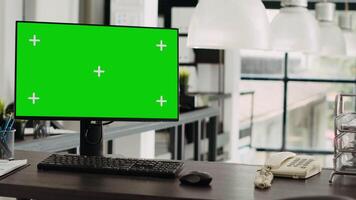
(263, 101)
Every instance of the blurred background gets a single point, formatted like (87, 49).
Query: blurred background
(264, 100)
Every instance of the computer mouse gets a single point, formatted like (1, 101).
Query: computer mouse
(196, 178)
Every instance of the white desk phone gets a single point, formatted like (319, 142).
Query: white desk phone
(289, 165)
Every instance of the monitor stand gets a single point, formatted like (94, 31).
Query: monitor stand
(91, 138)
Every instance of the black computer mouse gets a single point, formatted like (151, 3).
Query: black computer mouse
(196, 178)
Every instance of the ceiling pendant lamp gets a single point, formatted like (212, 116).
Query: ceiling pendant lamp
(332, 41)
(294, 28)
(345, 23)
(229, 24)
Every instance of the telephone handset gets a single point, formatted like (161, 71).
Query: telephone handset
(287, 164)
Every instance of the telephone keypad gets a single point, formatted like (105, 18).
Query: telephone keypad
(307, 163)
(302, 163)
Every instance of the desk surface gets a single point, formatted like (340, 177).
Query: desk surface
(230, 181)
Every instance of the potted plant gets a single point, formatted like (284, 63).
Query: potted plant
(186, 102)
(183, 81)
(2, 109)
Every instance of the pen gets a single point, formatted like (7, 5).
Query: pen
(8, 122)
(2, 130)
(3, 125)
(11, 125)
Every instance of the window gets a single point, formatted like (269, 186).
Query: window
(294, 98)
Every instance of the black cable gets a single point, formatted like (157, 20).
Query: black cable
(107, 123)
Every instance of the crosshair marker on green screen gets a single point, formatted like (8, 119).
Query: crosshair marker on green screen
(98, 72)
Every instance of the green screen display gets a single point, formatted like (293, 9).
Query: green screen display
(71, 71)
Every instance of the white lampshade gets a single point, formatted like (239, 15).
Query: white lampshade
(332, 41)
(229, 24)
(294, 28)
(345, 22)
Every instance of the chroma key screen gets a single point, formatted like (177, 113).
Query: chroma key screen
(74, 71)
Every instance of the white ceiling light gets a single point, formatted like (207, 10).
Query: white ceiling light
(332, 41)
(294, 28)
(229, 24)
(345, 23)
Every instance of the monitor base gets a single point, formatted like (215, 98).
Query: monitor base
(91, 138)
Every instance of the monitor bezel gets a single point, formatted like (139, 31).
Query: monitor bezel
(94, 118)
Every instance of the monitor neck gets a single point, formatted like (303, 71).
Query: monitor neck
(91, 138)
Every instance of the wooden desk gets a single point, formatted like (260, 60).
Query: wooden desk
(231, 181)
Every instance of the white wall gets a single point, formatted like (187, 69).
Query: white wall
(52, 10)
(134, 12)
(231, 111)
(136, 145)
(10, 12)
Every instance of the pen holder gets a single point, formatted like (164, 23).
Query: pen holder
(7, 143)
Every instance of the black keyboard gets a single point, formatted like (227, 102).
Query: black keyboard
(119, 166)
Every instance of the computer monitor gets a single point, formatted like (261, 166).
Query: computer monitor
(95, 73)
